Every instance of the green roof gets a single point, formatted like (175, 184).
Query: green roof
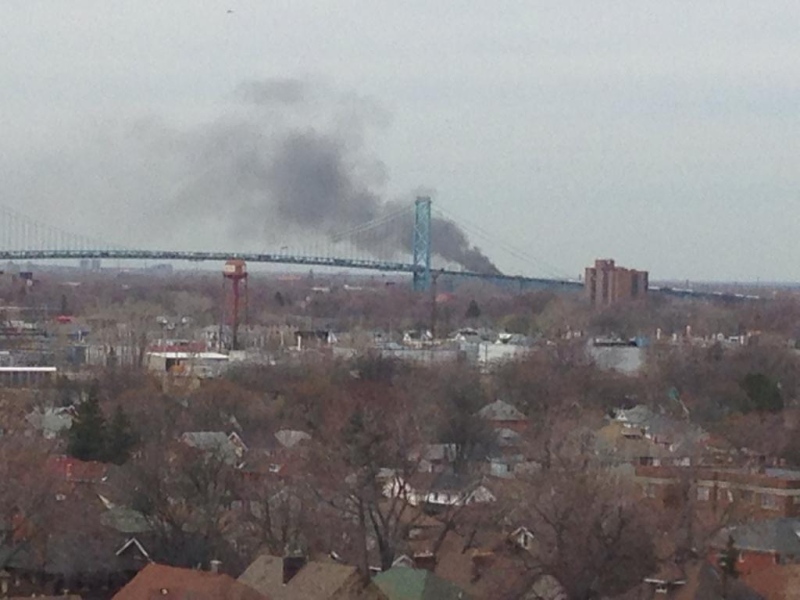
(405, 583)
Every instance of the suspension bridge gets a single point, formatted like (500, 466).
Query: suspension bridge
(25, 239)
(371, 246)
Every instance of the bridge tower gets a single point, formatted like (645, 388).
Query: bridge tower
(422, 244)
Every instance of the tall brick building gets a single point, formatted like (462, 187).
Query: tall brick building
(607, 284)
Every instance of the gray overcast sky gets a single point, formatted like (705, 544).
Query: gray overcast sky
(663, 134)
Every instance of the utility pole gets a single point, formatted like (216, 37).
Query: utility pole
(434, 311)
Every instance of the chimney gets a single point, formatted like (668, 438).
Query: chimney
(215, 565)
(292, 566)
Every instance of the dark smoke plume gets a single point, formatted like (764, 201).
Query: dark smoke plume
(283, 161)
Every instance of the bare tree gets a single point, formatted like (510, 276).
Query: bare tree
(187, 496)
(367, 445)
(591, 538)
(26, 495)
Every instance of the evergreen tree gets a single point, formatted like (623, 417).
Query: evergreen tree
(120, 439)
(763, 394)
(473, 310)
(87, 436)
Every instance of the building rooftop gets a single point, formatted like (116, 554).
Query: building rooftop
(172, 583)
(501, 411)
(406, 583)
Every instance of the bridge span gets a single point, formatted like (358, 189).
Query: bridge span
(279, 258)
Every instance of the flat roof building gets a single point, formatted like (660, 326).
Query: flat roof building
(606, 283)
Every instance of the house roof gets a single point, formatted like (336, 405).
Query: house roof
(317, 580)
(264, 573)
(780, 535)
(172, 583)
(289, 438)
(701, 581)
(776, 582)
(638, 415)
(50, 421)
(70, 597)
(501, 411)
(72, 469)
(125, 520)
(404, 583)
(216, 442)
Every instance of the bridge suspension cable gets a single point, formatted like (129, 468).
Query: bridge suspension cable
(20, 232)
(477, 231)
(369, 225)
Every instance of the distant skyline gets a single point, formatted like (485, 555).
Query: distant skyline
(663, 135)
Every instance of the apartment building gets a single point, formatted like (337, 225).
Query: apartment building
(605, 283)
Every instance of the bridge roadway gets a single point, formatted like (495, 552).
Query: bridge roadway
(288, 259)
(343, 263)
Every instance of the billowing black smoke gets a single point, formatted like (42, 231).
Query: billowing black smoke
(277, 164)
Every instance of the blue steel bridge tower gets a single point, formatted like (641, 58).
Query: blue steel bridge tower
(422, 244)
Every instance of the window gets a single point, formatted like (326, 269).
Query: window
(703, 493)
(769, 501)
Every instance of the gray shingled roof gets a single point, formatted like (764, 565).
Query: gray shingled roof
(780, 535)
(501, 411)
(215, 442)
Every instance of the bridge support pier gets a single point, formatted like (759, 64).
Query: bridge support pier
(422, 244)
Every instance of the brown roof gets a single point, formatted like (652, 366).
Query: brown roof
(265, 573)
(315, 581)
(482, 572)
(70, 597)
(777, 582)
(172, 583)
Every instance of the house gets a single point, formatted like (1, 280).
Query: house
(61, 597)
(523, 538)
(314, 338)
(439, 490)
(502, 415)
(173, 583)
(433, 458)
(295, 578)
(52, 422)
(507, 347)
(776, 582)
(758, 492)
(621, 356)
(198, 364)
(761, 544)
(695, 580)
(68, 469)
(74, 549)
(660, 441)
(404, 583)
(483, 563)
(289, 438)
(227, 447)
